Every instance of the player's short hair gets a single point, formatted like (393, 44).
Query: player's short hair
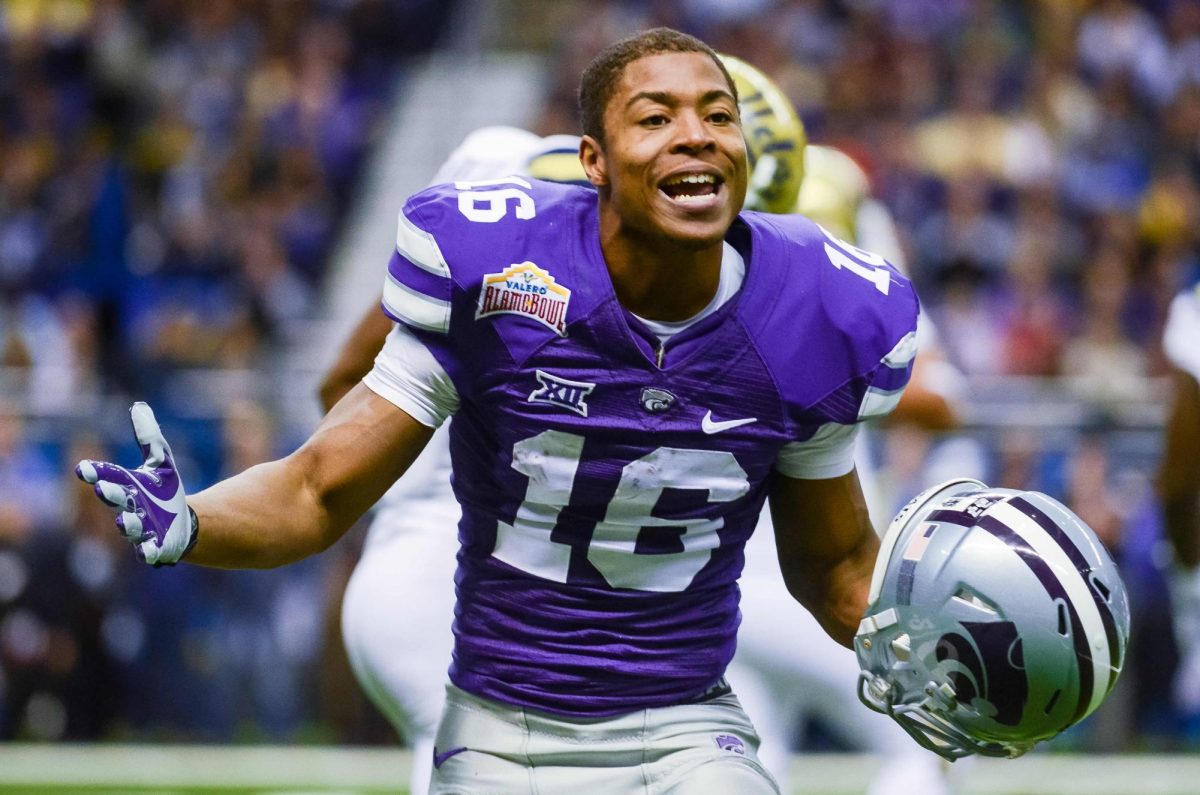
(602, 75)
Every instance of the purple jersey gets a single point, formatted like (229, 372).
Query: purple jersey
(607, 482)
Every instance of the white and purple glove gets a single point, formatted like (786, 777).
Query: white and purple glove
(154, 514)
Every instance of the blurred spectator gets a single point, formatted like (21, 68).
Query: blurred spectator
(1119, 38)
(172, 179)
(1035, 325)
(966, 234)
(30, 481)
(1106, 364)
(209, 149)
(59, 591)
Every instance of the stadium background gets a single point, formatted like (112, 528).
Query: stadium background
(197, 200)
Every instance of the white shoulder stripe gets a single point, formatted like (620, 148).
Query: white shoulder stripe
(904, 352)
(414, 308)
(1073, 583)
(878, 402)
(419, 247)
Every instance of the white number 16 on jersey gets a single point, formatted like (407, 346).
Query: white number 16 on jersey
(486, 201)
(871, 267)
(551, 461)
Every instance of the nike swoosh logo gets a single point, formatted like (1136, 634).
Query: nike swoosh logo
(440, 759)
(711, 426)
(166, 506)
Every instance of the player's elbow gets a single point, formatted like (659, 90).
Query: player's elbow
(316, 521)
(833, 592)
(833, 586)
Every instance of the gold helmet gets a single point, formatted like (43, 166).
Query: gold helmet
(557, 160)
(834, 188)
(775, 139)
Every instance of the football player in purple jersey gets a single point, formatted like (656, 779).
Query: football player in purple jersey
(631, 373)
(1179, 486)
(397, 607)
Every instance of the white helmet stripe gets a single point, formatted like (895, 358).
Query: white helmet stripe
(1076, 588)
(1083, 565)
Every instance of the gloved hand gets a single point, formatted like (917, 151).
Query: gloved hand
(154, 515)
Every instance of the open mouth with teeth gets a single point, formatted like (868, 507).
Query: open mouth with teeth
(692, 188)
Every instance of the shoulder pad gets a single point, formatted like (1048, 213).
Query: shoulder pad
(842, 321)
(451, 236)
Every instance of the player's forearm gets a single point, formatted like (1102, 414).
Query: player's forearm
(280, 512)
(835, 594)
(827, 548)
(264, 517)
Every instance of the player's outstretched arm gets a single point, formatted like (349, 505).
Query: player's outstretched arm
(356, 357)
(1179, 472)
(827, 548)
(270, 514)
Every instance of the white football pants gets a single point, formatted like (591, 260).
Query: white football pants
(705, 748)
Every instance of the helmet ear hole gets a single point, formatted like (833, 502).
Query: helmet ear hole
(970, 597)
(1063, 624)
(1053, 700)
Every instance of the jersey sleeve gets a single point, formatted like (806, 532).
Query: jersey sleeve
(829, 452)
(418, 287)
(1181, 334)
(452, 241)
(407, 375)
(420, 290)
(840, 338)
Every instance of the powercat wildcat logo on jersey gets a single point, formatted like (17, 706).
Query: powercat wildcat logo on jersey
(527, 290)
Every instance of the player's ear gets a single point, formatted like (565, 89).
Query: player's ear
(595, 165)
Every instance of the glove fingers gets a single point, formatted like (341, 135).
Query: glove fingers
(149, 436)
(85, 470)
(114, 495)
(130, 525)
(95, 471)
(148, 551)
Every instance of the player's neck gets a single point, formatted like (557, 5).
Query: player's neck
(658, 280)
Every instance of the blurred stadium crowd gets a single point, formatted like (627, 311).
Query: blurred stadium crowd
(174, 175)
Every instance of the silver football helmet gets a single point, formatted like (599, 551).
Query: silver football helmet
(996, 619)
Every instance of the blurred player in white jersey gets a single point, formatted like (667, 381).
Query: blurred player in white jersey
(1179, 485)
(398, 605)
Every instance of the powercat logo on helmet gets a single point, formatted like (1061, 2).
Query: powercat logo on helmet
(527, 290)
(987, 665)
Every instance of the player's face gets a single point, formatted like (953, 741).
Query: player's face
(674, 160)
